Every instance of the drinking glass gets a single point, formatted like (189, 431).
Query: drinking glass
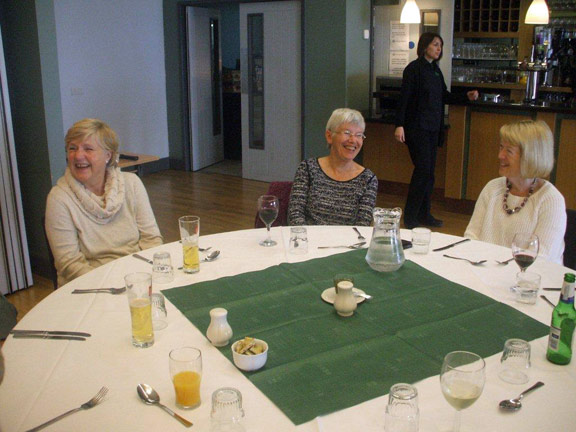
(138, 290)
(525, 249)
(189, 234)
(268, 206)
(402, 413)
(186, 373)
(227, 413)
(462, 380)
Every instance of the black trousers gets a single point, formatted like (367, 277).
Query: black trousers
(423, 147)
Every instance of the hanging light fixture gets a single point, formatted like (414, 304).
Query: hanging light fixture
(538, 13)
(411, 13)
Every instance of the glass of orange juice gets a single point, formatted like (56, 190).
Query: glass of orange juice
(186, 373)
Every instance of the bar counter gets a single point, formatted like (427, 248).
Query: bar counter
(469, 158)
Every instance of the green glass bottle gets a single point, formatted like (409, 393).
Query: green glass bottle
(563, 322)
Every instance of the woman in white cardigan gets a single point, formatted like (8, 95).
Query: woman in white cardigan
(96, 213)
(521, 200)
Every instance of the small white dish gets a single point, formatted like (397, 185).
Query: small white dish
(250, 362)
(329, 295)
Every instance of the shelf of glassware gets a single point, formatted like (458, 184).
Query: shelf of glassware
(509, 86)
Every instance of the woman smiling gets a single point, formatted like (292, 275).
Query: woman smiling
(522, 200)
(96, 213)
(335, 190)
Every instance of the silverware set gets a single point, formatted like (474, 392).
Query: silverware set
(354, 246)
(90, 404)
(100, 290)
(50, 334)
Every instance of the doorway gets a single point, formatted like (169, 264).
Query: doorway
(278, 158)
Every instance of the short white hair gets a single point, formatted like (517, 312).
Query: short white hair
(344, 115)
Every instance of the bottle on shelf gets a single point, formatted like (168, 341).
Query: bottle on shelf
(563, 322)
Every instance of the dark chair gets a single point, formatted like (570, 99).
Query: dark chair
(53, 272)
(570, 240)
(282, 191)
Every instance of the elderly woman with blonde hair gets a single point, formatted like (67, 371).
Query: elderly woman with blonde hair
(335, 190)
(96, 213)
(522, 200)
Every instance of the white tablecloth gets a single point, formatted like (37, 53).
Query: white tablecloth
(44, 378)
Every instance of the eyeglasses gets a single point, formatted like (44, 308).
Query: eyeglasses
(359, 136)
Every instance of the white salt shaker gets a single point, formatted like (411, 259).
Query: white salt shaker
(345, 303)
(219, 331)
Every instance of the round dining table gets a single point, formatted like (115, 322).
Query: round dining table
(45, 378)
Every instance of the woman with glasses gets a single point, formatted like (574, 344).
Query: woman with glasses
(335, 190)
(419, 123)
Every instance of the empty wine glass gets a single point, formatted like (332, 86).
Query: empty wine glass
(462, 380)
(268, 206)
(525, 249)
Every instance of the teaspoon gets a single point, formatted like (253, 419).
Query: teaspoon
(210, 257)
(515, 404)
(150, 397)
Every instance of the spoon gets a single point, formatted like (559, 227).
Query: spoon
(360, 236)
(516, 404)
(504, 262)
(210, 257)
(150, 397)
(476, 263)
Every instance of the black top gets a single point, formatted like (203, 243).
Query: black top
(423, 96)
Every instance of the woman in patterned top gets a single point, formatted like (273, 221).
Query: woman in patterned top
(335, 190)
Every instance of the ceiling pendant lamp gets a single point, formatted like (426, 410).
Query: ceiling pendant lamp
(538, 13)
(411, 13)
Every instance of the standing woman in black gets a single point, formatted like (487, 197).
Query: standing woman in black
(419, 123)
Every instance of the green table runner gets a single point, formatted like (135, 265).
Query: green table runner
(319, 362)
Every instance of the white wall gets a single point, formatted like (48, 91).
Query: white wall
(385, 14)
(111, 65)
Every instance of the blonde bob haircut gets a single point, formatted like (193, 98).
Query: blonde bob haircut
(105, 136)
(344, 115)
(536, 143)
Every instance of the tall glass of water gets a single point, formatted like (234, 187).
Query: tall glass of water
(268, 206)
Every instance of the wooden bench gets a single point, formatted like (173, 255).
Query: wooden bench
(135, 166)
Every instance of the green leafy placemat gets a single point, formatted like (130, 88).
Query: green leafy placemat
(319, 362)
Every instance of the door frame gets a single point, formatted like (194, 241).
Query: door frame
(185, 106)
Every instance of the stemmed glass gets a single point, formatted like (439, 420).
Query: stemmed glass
(525, 249)
(462, 380)
(268, 206)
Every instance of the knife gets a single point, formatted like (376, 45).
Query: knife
(450, 245)
(44, 336)
(50, 333)
(143, 258)
(552, 289)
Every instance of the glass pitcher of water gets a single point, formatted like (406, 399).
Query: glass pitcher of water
(385, 253)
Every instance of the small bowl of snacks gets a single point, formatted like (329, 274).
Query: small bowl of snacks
(250, 354)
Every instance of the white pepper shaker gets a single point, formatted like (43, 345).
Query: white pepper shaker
(219, 331)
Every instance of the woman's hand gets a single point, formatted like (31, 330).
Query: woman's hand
(399, 134)
(472, 95)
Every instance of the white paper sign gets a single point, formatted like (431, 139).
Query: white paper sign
(399, 36)
(398, 62)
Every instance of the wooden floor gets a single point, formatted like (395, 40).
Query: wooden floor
(224, 203)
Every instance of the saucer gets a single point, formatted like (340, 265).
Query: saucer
(329, 295)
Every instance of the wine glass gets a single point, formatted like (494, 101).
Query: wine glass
(525, 249)
(462, 380)
(268, 206)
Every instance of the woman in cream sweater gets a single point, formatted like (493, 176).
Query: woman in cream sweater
(96, 213)
(522, 201)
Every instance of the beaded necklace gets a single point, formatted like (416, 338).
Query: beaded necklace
(505, 201)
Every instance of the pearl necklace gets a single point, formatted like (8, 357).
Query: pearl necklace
(516, 209)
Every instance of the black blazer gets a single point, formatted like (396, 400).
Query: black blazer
(424, 94)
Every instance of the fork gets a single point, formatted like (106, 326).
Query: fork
(504, 262)
(90, 404)
(100, 290)
(360, 236)
(476, 263)
(354, 246)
